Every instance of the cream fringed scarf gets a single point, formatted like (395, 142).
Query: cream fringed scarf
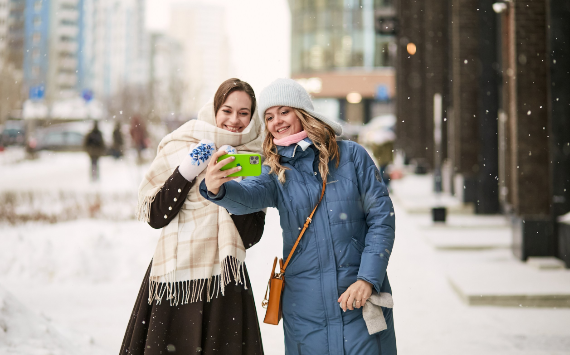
(201, 246)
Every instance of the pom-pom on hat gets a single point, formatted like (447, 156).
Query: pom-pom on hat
(288, 92)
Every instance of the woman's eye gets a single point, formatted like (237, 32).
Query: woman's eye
(284, 113)
(227, 111)
(243, 113)
(269, 118)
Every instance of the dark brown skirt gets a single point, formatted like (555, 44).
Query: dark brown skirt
(226, 325)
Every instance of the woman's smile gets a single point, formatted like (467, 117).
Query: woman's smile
(233, 128)
(282, 121)
(235, 113)
(281, 130)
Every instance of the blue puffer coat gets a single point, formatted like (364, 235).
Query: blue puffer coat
(350, 238)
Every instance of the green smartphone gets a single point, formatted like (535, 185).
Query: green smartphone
(250, 164)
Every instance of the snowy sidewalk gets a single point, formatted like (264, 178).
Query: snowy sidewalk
(71, 172)
(85, 275)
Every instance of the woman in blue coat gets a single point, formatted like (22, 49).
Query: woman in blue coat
(343, 255)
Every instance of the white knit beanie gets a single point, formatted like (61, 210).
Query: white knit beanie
(288, 92)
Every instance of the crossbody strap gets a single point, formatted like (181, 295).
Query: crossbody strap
(305, 226)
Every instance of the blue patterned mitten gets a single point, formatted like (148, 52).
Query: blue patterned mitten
(197, 159)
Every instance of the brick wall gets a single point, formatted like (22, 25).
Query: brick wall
(530, 162)
(436, 71)
(411, 123)
(465, 85)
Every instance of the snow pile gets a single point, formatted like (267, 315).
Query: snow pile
(23, 332)
(79, 251)
(59, 206)
(57, 187)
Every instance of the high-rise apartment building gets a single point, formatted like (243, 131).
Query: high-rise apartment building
(15, 34)
(166, 76)
(4, 16)
(338, 55)
(114, 46)
(51, 46)
(200, 29)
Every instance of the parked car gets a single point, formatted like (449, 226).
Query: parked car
(69, 136)
(13, 133)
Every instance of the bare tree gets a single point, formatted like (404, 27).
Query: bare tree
(10, 91)
(129, 101)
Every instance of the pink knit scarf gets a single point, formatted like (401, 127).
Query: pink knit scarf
(294, 138)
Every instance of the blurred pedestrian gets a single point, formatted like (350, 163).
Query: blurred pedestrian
(139, 136)
(117, 147)
(384, 154)
(195, 297)
(378, 136)
(94, 146)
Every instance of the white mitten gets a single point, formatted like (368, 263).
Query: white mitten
(230, 150)
(197, 159)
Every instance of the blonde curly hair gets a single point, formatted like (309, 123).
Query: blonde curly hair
(323, 137)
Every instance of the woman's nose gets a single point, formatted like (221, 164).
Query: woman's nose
(234, 117)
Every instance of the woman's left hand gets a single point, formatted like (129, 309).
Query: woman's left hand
(359, 291)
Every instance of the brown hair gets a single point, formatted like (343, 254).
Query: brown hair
(320, 133)
(229, 86)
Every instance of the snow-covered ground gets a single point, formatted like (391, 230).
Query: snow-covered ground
(69, 287)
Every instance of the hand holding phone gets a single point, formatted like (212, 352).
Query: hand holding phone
(250, 164)
(223, 168)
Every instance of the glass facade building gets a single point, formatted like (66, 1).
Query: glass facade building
(340, 57)
(338, 34)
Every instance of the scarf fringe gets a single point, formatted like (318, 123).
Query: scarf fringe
(143, 208)
(190, 291)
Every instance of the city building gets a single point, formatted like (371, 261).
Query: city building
(499, 70)
(113, 47)
(16, 30)
(341, 57)
(4, 17)
(51, 49)
(76, 52)
(4, 77)
(166, 76)
(11, 57)
(200, 30)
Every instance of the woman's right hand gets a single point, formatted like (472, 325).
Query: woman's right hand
(215, 177)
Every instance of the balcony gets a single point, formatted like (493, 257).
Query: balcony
(67, 63)
(67, 47)
(67, 30)
(66, 79)
(68, 15)
(68, 3)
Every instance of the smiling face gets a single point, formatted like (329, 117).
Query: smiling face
(235, 113)
(282, 121)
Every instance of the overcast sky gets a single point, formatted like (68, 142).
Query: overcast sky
(259, 35)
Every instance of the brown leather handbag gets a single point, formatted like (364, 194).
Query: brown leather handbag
(277, 279)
